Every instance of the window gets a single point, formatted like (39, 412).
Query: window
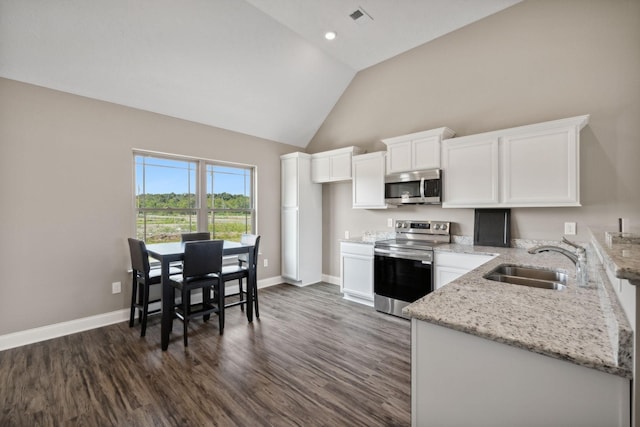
(170, 199)
(229, 201)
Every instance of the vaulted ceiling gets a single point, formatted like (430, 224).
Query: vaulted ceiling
(259, 67)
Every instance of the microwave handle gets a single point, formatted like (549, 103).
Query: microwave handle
(422, 188)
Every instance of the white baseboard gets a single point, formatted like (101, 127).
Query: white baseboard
(334, 280)
(43, 333)
(30, 336)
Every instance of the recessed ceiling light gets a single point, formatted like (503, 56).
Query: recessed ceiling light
(330, 35)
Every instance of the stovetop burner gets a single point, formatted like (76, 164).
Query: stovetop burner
(418, 235)
(409, 243)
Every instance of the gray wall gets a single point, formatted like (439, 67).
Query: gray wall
(536, 61)
(66, 180)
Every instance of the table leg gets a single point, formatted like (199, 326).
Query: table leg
(167, 306)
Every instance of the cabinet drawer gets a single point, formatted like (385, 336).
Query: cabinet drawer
(365, 249)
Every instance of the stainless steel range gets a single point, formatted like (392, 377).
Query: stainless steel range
(403, 267)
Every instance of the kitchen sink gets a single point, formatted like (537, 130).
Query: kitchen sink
(528, 276)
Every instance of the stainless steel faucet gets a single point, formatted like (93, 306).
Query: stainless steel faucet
(579, 258)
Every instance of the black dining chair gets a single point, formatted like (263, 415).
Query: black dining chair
(241, 271)
(202, 269)
(143, 278)
(192, 237)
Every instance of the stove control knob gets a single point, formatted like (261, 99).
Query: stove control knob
(398, 225)
(444, 227)
(437, 226)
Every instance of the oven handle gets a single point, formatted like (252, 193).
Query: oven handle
(400, 254)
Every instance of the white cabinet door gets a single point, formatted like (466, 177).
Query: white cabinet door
(415, 151)
(541, 168)
(399, 157)
(289, 178)
(290, 243)
(333, 165)
(301, 230)
(527, 166)
(368, 181)
(444, 275)
(356, 272)
(451, 265)
(471, 172)
(426, 153)
(320, 169)
(340, 167)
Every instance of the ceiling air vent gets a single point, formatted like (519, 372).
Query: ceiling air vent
(359, 16)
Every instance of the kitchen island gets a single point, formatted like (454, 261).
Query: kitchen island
(492, 353)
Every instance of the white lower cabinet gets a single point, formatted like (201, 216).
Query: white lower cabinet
(356, 272)
(451, 265)
(459, 379)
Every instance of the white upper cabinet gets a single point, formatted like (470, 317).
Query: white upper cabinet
(333, 165)
(471, 172)
(526, 166)
(415, 151)
(368, 181)
(541, 167)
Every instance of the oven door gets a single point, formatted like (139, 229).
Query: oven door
(401, 275)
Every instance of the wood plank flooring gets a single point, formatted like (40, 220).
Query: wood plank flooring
(312, 359)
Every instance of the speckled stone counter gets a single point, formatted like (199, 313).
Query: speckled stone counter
(621, 252)
(585, 326)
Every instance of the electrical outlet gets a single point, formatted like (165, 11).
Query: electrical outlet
(570, 228)
(389, 222)
(265, 262)
(116, 287)
(346, 234)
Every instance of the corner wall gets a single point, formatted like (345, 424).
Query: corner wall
(66, 183)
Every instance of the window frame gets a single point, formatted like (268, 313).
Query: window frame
(202, 211)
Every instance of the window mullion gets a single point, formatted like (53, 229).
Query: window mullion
(202, 196)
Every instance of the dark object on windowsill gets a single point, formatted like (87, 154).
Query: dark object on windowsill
(492, 227)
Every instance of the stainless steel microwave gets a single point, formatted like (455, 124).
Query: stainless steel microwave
(419, 187)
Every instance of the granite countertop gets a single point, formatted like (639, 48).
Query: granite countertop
(585, 326)
(621, 252)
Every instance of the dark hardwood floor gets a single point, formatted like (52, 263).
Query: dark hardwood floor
(313, 359)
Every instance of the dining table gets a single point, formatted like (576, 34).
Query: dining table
(167, 253)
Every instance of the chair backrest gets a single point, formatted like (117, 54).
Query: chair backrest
(202, 258)
(139, 256)
(192, 237)
(252, 239)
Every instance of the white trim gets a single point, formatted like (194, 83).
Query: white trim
(30, 336)
(43, 333)
(334, 280)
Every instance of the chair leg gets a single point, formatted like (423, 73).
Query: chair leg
(140, 302)
(255, 300)
(145, 310)
(186, 307)
(240, 293)
(221, 305)
(134, 290)
(206, 301)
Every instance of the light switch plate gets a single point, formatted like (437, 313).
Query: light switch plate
(570, 228)
(116, 287)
